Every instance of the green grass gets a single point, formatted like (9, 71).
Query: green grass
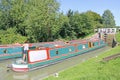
(118, 37)
(94, 68)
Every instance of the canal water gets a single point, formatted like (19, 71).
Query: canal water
(39, 74)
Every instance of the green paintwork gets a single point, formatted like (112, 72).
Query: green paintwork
(12, 56)
(53, 54)
(60, 51)
(96, 43)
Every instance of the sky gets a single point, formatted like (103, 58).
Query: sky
(98, 6)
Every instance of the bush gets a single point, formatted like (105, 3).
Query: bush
(10, 36)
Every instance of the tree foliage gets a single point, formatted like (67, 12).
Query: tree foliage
(96, 19)
(40, 21)
(11, 36)
(80, 24)
(108, 19)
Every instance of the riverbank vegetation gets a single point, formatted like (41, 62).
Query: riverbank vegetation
(94, 68)
(41, 21)
(118, 37)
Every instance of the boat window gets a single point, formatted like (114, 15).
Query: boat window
(57, 52)
(93, 44)
(5, 50)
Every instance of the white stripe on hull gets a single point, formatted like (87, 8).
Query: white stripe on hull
(19, 66)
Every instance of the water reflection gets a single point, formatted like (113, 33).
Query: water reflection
(20, 76)
(32, 75)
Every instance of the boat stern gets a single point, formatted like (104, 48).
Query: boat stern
(20, 68)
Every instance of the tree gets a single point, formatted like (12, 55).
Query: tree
(108, 19)
(67, 30)
(42, 21)
(79, 25)
(96, 18)
(86, 25)
(38, 20)
(4, 14)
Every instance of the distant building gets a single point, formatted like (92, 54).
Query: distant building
(107, 30)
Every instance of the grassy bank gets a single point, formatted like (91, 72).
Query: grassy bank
(94, 68)
(118, 37)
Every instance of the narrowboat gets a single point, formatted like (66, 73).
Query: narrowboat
(52, 53)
